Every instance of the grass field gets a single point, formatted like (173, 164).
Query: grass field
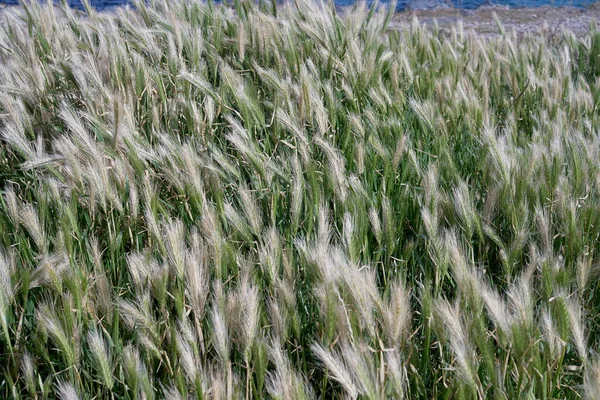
(201, 201)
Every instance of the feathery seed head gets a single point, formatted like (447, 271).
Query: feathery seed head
(197, 279)
(577, 322)
(27, 369)
(460, 343)
(338, 369)
(172, 393)
(6, 287)
(12, 205)
(30, 219)
(187, 358)
(397, 315)
(220, 335)
(101, 358)
(550, 334)
(66, 391)
(285, 382)
(397, 373)
(591, 383)
(175, 245)
(497, 309)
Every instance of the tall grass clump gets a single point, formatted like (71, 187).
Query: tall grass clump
(253, 200)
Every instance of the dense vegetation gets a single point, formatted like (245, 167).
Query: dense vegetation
(244, 201)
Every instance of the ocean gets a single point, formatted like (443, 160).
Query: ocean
(401, 5)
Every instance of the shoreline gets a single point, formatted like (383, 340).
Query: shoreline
(548, 20)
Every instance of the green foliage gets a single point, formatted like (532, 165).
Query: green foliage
(202, 201)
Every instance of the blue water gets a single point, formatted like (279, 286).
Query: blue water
(401, 5)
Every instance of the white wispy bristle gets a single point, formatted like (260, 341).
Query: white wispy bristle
(101, 358)
(220, 335)
(458, 338)
(66, 391)
(337, 368)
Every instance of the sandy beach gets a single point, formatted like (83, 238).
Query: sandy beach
(548, 20)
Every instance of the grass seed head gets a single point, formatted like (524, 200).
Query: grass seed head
(66, 391)
(338, 369)
(101, 358)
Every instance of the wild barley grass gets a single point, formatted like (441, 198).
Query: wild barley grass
(250, 201)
